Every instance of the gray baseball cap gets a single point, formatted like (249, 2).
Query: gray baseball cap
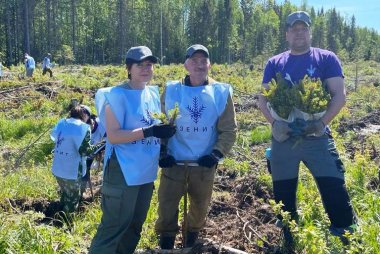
(138, 54)
(196, 48)
(302, 16)
(86, 108)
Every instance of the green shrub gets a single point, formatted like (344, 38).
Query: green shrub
(261, 134)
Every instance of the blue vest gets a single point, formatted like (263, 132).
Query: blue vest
(98, 134)
(133, 109)
(68, 136)
(30, 64)
(200, 107)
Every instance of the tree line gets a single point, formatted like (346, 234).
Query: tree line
(101, 31)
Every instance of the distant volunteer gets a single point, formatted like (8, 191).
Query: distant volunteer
(30, 65)
(72, 144)
(98, 134)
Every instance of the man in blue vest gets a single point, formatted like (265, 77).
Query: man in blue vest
(206, 131)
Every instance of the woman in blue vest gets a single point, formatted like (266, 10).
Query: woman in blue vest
(72, 144)
(131, 155)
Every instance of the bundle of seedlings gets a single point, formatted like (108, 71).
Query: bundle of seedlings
(307, 99)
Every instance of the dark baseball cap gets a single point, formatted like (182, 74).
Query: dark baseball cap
(139, 54)
(196, 48)
(302, 16)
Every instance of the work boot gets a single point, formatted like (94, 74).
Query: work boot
(342, 233)
(288, 240)
(167, 242)
(191, 238)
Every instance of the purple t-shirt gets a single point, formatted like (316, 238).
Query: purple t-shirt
(317, 63)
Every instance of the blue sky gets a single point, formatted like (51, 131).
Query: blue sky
(367, 12)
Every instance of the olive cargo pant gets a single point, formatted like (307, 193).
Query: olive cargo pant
(174, 182)
(124, 212)
(71, 193)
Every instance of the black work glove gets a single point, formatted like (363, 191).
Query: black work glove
(211, 159)
(159, 131)
(166, 162)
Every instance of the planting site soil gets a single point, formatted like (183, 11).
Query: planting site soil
(240, 219)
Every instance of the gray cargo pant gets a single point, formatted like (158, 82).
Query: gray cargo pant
(124, 212)
(320, 156)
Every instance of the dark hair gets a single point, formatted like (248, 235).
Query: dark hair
(129, 67)
(77, 112)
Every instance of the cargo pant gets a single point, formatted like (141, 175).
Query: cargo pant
(47, 70)
(124, 210)
(174, 183)
(71, 193)
(320, 156)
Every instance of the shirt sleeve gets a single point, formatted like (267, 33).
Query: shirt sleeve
(269, 72)
(332, 67)
(227, 128)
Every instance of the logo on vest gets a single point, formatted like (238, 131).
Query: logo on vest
(148, 119)
(59, 139)
(196, 110)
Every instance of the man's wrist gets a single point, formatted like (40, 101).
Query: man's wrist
(217, 154)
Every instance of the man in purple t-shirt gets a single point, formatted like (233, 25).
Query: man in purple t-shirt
(317, 149)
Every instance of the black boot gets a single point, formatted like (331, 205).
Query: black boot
(288, 240)
(167, 242)
(191, 237)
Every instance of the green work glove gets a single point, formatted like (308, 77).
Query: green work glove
(280, 130)
(316, 127)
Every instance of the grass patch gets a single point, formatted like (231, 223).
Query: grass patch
(261, 134)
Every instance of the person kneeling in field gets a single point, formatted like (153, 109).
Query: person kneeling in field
(72, 144)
